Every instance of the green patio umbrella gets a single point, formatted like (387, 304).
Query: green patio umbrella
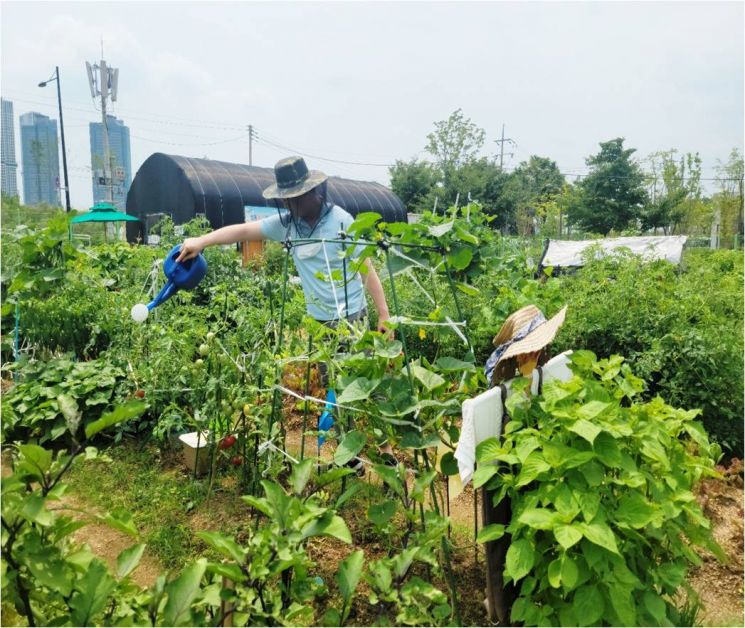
(103, 212)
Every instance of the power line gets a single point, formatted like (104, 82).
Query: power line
(645, 176)
(232, 139)
(336, 161)
(351, 158)
(263, 138)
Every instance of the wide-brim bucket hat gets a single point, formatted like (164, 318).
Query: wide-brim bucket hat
(527, 331)
(293, 179)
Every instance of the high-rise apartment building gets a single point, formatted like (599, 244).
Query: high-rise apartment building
(40, 159)
(9, 185)
(121, 161)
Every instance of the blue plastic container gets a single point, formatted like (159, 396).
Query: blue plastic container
(181, 275)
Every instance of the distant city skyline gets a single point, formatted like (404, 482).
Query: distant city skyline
(9, 185)
(121, 161)
(40, 159)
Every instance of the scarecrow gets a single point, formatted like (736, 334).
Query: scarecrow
(521, 349)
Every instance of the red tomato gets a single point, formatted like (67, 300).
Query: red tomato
(227, 442)
(237, 461)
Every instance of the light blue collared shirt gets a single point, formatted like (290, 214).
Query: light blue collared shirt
(316, 262)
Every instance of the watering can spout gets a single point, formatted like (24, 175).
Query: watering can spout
(166, 293)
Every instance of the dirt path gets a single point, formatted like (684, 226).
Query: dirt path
(106, 542)
(721, 586)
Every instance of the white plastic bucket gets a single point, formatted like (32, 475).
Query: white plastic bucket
(195, 450)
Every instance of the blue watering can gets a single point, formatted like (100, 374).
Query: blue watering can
(181, 275)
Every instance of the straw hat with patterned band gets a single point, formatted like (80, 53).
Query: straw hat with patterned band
(293, 179)
(524, 331)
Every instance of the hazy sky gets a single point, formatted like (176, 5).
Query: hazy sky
(364, 82)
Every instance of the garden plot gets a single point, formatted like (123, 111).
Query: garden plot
(598, 506)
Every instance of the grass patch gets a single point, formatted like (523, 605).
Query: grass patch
(167, 505)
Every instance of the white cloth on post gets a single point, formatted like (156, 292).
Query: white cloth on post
(482, 419)
(482, 415)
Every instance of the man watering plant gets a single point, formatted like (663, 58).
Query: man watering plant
(307, 215)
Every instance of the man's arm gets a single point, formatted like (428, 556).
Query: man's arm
(250, 231)
(372, 283)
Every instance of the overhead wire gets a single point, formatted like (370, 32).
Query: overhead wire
(260, 137)
(158, 141)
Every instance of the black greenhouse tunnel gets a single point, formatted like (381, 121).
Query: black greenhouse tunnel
(183, 187)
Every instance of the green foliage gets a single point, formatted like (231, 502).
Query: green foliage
(60, 398)
(40, 259)
(47, 578)
(454, 142)
(413, 181)
(612, 195)
(51, 581)
(681, 337)
(206, 358)
(604, 522)
(456, 176)
(728, 200)
(403, 597)
(272, 579)
(675, 190)
(348, 576)
(534, 183)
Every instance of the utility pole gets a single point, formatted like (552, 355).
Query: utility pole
(250, 144)
(501, 148)
(103, 81)
(62, 132)
(64, 152)
(106, 153)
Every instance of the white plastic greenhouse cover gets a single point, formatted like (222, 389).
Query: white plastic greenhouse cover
(569, 253)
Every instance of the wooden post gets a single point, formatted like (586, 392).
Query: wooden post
(226, 607)
(251, 250)
(498, 597)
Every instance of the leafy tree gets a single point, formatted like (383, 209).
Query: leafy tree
(550, 214)
(540, 177)
(729, 200)
(612, 195)
(457, 175)
(413, 181)
(454, 142)
(675, 189)
(480, 181)
(534, 183)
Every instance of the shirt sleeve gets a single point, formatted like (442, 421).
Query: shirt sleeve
(272, 228)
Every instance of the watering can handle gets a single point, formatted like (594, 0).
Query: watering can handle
(166, 293)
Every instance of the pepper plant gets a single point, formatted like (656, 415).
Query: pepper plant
(271, 575)
(604, 521)
(49, 580)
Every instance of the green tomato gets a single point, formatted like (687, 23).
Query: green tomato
(199, 362)
(204, 350)
(210, 336)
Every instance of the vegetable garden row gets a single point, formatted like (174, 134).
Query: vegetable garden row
(600, 471)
